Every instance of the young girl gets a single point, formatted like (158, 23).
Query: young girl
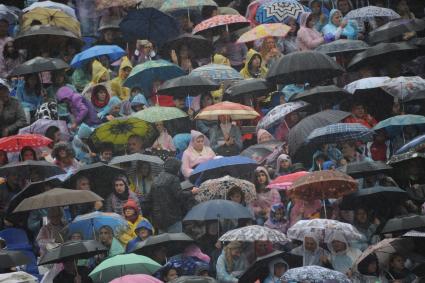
(277, 219)
(283, 165)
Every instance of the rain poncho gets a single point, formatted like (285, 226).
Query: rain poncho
(272, 278)
(308, 38)
(333, 32)
(230, 274)
(246, 72)
(94, 98)
(98, 71)
(107, 109)
(283, 171)
(29, 99)
(142, 224)
(82, 150)
(277, 224)
(220, 59)
(310, 257)
(342, 261)
(117, 83)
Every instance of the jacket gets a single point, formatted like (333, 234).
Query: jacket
(114, 204)
(245, 72)
(117, 87)
(332, 32)
(217, 137)
(98, 71)
(12, 116)
(308, 38)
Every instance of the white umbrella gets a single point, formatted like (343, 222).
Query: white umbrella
(367, 83)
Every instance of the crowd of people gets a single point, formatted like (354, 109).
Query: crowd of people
(181, 130)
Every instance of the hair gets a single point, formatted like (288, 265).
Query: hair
(27, 148)
(62, 146)
(37, 88)
(14, 54)
(235, 190)
(107, 227)
(51, 131)
(167, 269)
(228, 255)
(394, 256)
(56, 74)
(79, 180)
(106, 146)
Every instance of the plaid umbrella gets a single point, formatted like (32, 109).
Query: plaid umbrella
(340, 132)
(279, 11)
(254, 233)
(342, 46)
(235, 110)
(370, 12)
(230, 22)
(405, 88)
(264, 30)
(314, 273)
(217, 72)
(394, 125)
(278, 114)
(172, 5)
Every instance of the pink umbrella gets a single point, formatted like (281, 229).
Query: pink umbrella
(285, 182)
(230, 22)
(133, 278)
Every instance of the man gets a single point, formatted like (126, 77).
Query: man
(106, 237)
(12, 115)
(135, 144)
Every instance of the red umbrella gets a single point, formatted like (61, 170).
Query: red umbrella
(286, 181)
(231, 22)
(17, 142)
(235, 110)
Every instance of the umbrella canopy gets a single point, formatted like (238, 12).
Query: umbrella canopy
(216, 23)
(187, 85)
(57, 197)
(199, 45)
(402, 157)
(40, 127)
(54, 5)
(55, 17)
(43, 169)
(285, 182)
(370, 196)
(37, 65)
(314, 273)
(10, 259)
(403, 224)
(277, 115)
(394, 125)
(303, 66)
(156, 114)
(370, 12)
(174, 242)
(264, 30)
(394, 29)
(405, 88)
(194, 279)
(144, 74)
(8, 14)
(254, 233)
(417, 144)
(120, 265)
(150, 24)
(128, 160)
(113, 52)
(362, 169)
(105, 4)
(382, 52)
(249, 87)
(89, 224)
(218, 209)
(298, 134)
(341, 46)
(277, 11)
(18, 277)
(73, 250)
(340, 132)
(260, 152)
(18, 142)
(219, 189)
(171, 5)
(323, 185)
(322, 95)
(136, 278)
(217, 73)
(366, 84)
(235, 166)
(236, 111)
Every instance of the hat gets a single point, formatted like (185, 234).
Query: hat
(131, 204)
(109, 23)
(144, 224)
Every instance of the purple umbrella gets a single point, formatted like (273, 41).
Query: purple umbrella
(41, 125)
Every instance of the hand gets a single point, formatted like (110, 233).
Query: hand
(230, 141)
(195, 190)
(174, 57)
(349, 273)
(190, 112)
(343, 24)
(2, 180)
(218, 245)
(98, 205)
(92, 154)
(77, 279)
(110, 117)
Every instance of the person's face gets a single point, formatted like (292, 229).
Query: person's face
(279, 215)
(358, 111)
(207, 101)
(105, 236)
(160, 126)
(128, 212)
(109, 35)
(62, 153)
(361, 216)
(101, 95)
(212, 229)
(143, 233)
(310, 22)
(223, 119)
(115, 110)
(293, 118)
(57, 137)
(4, 95)
(310, 244)
(344, 6)
(76, 237)
(402, 6)
(106, 155)
(279, 269)
(28, 155)
(338, 246)
(4, 27)
(265, 138)
(235, 253)
(316, 8)
(336, 18)
(179, 102)
(134, 145)
(261, 247)
(138, 107)
(397, 263)
(285, 164)
(256, 62)
(262, 178)
(372, 267)
(84, 185)
(119, 186)
(147, 48)
(347, 150)
(32, 81)
(270, 43)
(171, 275)
(293, 25)
(199, 143)
(126, 72)
(236, 197)
(59, 79)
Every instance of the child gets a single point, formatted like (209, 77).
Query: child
(398, 271)
(277, 268)
(277, 219)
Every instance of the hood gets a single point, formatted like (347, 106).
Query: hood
(314, 237)
(144, 224)
(194, 135)
(273, 262)
(172, 166)
(273, 210)
(139, 99)
(220, 59)
(65, 94)
(264, 170)
(98, 70)
(105, 111)
(280, 159)
(84, 131)
(131, 204)
(337, 236)
(124, 63)
(262, 132)
(303, 19)
(331, 14)
(251, 53)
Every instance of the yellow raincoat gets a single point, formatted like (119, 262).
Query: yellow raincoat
(117, 84)
(245, 70)
(98, 71)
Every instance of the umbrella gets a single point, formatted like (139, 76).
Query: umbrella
(260, 152)
(254, 233)
(249, 87)
(322, 95)
(264, 30)
(382, 52)
(18, 142)
(113, 52)
(340, 132)
(18, 277)
(121, 265)
(50, 4)
(303, 66)
(277, 115)
(370, 12)
(150, 24)
(174, 242)
(171, 5)
(365, 84)
(279, 11)
(285, 182)
(417, 144)
(37, 65)
(100, 176)
(394, 125)
(12, 258)
(156, 114)
(372, 196)
(54, 17)
(57, 197)
(119, 130)
(43, 169)
(7, 14)
(219, 188)
(314, 273)
(405, 88)
(218, 209)
(194, 279)
(73, 250)
(235, 166)
(199, 45)
(127, 160)
(40, 127)
(89, 224)
(323, 185)
(403, 224)
(187, 85)
(300, 131)
(341, 46)
(230, 22)
(324, 229)
(217, 72)
(362, 169)
(144, 74)
(105, 4)
(136, 278)
(47, 36)
(236, 111)
(394, 29)
(410, 155)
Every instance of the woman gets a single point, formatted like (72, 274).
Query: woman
(342, 255)
(120, 196)
(254, 67)
(269, 51)
(197, 152)
(183, 59)
(58, 81)
(264, 136)
(10, 59)
(27, 153)
(311, 251)
(231, 263)
(51, 233)
(64, 156)
(226, 139)
(83, 184)
(117, 87)
(277, 267)
(290, 41)
(338, 28)
(164, 141)
(366, 228)
(100, 97)
(308, 38)
(132, 214)
(283, 165)
(204, 126)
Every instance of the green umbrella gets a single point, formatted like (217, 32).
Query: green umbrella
(157, 114)
(394, 125)
(120, 265)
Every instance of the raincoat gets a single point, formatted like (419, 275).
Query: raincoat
(311, 257)
(333, 32)
(246, 70)
(142, 224)
(344, 260)
(117, 83)
(277, 224)
(29, 100)
(281, 171)
(82, 150)
(164, 141)
(272, 278)
(98, 71)
(308, 38)
(223, 275)
(107, 109)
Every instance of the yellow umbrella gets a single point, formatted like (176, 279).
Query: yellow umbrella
(264, 30)
(48, 16)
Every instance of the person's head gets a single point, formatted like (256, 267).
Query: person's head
(170, 273)
(54, 215)
(235, 194)
(255, 62)
(338, 246)
(106, 151)
(120, 185)
(108, 35)
(277, 213)
(77, 236)
(4, 94)
(233, 250)
(160, 126)
(262, 247)
(278, 267)
(310, 22)
(263, 136)
(344, 6)
(361, 216)
(130, 210)
(348, 150)
(316, 7)
(58, 78)
(262, 177)
(134, 144)
(179, 102)
(27, 153)
(369, 265)
(224, 119)
(126, 72)
(310, 243)
(53, 133)
(292, 119)
(63, 153)
(32, 81)
(144, 230)
(3, 158)
(82, 183)
(106, 235)
(269, 43)
(358, 110)
(292, 23)
(212, 228)
(402, 7)
(209, 12)
(336, 18)
(284, 162)
(4, 28)
(197, 140)
(9, 50)
(206, 100)
(397, 262)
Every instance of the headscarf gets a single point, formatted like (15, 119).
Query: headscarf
(330, 29)
(194, 135)
(262, 132)
(195, 251)
(271, 266)
(126, 193)
(98, 71)
(311, 257)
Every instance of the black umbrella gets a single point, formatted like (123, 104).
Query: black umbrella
(217, 209)
(73, 250)
(187, 86)
(127, 161)
(397, 159)
(260, 152)
(322, 95)
(383, 52)
(100, 176)
(250, 87)
(260, 270)
(302, 67)
(366, 168)
(12, 258)
(395, 29)
(199, 46)
(402, 224)
(419, 41)
(42, 169)
(299, 133)
(37, 65)
(174, 242)
(194, 279)
(373, 195)
(342, 46)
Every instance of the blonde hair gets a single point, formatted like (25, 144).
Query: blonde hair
(228, 254)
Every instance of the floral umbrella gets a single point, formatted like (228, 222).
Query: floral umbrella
(370, 12)
(278, 114)
(17, 142)
(230, 22)
(217, 72)
(219, 188)
(314, 273)
(405, 88)
(264, 30)
(254, 233)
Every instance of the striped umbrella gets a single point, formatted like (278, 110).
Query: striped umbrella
(279, 11)
(264, 30)
(235, 110)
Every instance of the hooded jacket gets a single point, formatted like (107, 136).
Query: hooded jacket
(142, 224)
(308, 38)
(98, 71)
(117, 84)
(333, 32)
(344, 260)
(245, 72)
(272, 278)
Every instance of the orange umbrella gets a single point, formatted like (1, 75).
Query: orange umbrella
(235, 110)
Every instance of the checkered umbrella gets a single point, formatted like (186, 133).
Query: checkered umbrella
(340, 132)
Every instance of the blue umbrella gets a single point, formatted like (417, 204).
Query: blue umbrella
(218, 209)
(417, 143)
(217, 73)
(236, 166)
(394, 125)
(114, 53)
(340, 132)
(151, 24)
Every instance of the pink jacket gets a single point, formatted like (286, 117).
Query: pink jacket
(308, 38)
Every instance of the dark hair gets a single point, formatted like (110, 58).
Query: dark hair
(106, 146)
(14, 54)
(166, 269)
(27, 148)
(206, 94)
(234, 190)
(51, 131)
(37, 88)
(207, 11)
(364, 264)
(56, 74)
